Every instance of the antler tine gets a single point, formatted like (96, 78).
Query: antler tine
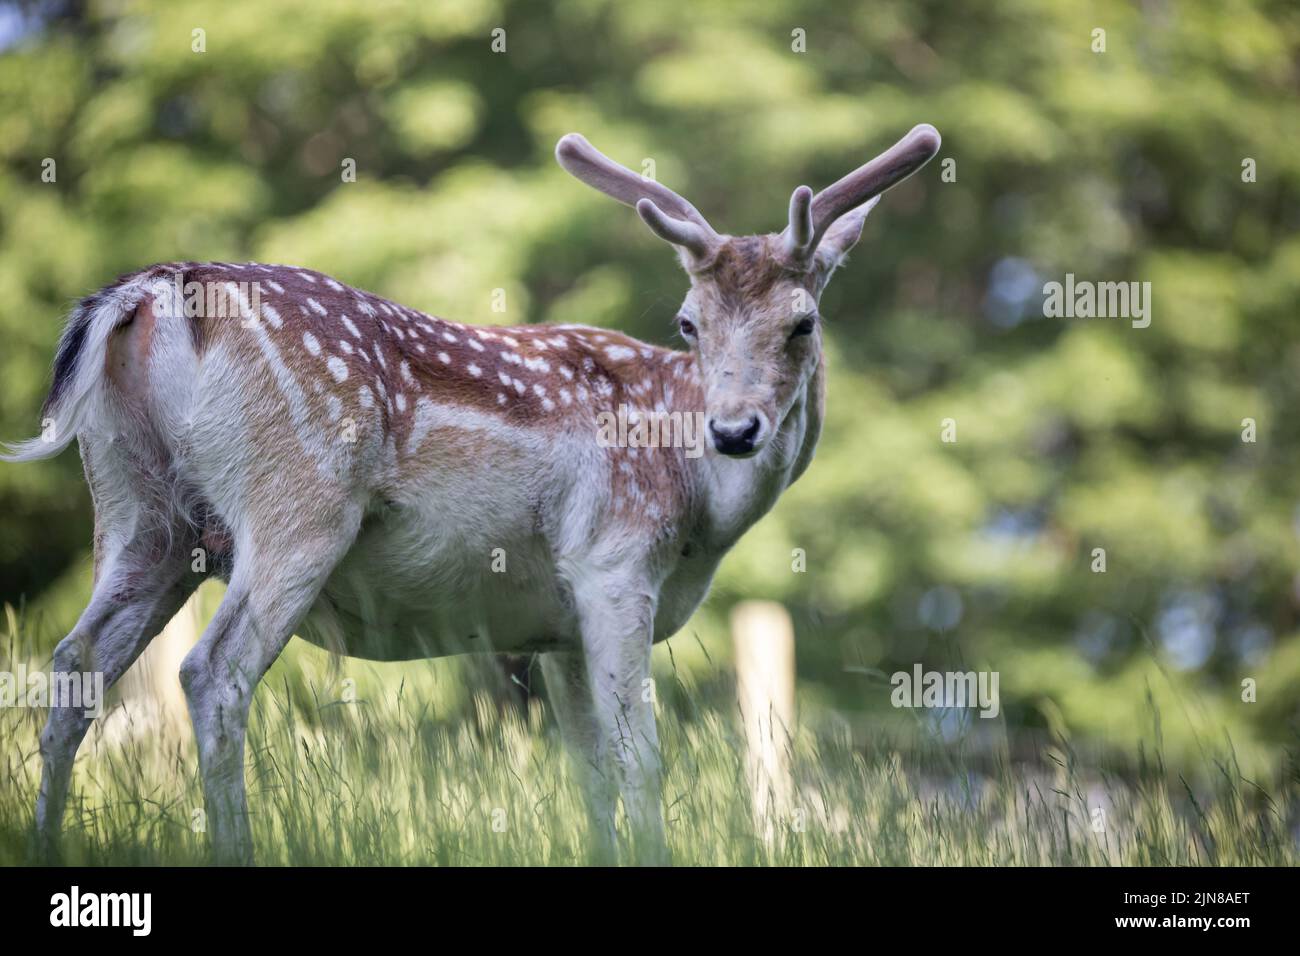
(871, 179)
(668, 214)
(689, 235)
(799, 235)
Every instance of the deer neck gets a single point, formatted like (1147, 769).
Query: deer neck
(737, 492)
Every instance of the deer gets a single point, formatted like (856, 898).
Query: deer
(353, 469)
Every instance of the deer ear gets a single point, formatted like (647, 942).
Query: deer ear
(843, 235)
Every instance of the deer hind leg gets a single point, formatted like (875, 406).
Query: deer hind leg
(276, 578)
(135, 595)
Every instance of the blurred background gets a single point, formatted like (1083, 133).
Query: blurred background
(235, 143)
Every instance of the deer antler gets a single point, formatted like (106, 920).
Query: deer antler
(667, 214)
(811, 216)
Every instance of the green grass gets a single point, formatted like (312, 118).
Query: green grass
(418, 770)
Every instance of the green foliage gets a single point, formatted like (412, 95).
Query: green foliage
(1073, 434)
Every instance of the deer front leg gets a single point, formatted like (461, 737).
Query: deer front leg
(617, 621)
(568, 691)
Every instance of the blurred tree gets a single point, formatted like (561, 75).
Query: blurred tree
(133, 132)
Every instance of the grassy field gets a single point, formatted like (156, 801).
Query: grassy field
(398, 775)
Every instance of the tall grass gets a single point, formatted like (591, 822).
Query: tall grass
(395, 776)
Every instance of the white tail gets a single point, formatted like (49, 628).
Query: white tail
(394, 485)
(79, 364)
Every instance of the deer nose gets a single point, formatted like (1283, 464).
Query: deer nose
(735, 438)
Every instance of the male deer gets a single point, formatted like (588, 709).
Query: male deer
(351, 467)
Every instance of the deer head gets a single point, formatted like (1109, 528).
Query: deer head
(751, 315)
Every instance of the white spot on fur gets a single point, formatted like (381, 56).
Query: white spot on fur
(473, 370)
(350, 326)
(338, 368)
(316, 306)
(309, 340)
(619, 352)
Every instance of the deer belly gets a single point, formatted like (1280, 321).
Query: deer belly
(402, 596)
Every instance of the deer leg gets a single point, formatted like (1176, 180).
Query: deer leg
(569, 692)
(617, 626)
(132, 602)
(270, 592)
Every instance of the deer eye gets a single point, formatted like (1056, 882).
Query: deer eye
(687, 327)
(805, 327)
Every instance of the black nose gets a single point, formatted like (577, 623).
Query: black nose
(732, 439)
